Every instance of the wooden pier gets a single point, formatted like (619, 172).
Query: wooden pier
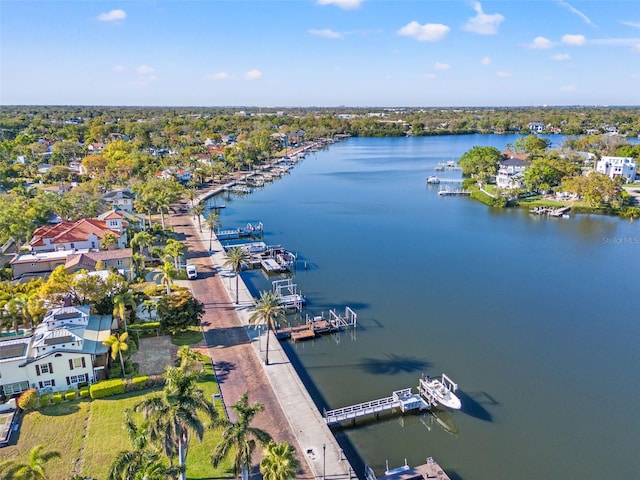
(447, 192)
(254, 231)
(404, 400)
(287, 293)
(427, 470)
(319, 325)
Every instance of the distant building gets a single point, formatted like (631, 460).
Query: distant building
(85, 233)
(123, 199)
(65, 351)
(614, 167)
(536, 127)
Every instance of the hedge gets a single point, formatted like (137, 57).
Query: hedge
(70, 395)
(45, 399)
(107, 388)
(145, 326)
(138, 383)
(84, 393)
(56, 397)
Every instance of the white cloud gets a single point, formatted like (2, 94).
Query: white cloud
(429, 32)
(630, 24)
(326, 33)
(624, 42)
(577, 40)
(482, 23)
(145, 69)
(145, 81)
(540, 43)
(112, 16)
(486, 61)
(344, 4)
(577, 12)
(441, 66)
(253, 74)
(561, 57)
(218, 76)
(118, 68)
(502, 74)
(430, 76)
(568, 88)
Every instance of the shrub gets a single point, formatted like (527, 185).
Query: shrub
(56, 398)
(84, 393)
(107, 388)
(45, 399)
(138, 383)
(70, 395)
(28, 400)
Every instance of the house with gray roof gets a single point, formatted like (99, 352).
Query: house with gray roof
(63, 352)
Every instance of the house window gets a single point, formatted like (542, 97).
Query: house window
(33, 264)
(119, 263)
(13, 388)
(44, 368)
(72, 245)
(77, 363)
(93, 244)
(47, 383)
(75, 379)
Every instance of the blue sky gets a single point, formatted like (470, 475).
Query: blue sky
(320, 53)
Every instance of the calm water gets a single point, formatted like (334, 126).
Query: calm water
(535, 318)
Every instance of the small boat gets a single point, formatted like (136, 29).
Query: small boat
(440, 390)
(433, 180)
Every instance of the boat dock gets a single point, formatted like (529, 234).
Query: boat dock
(250, 230)
(318, 325)
(430, 469)
(552, 212)
(404, 399)
(287, 293)
(447, 192)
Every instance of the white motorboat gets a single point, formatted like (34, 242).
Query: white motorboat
(440, 390)
(433, 180)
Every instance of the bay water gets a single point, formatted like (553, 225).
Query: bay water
(535, 318)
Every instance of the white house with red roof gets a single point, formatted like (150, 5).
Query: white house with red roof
(83, 234)
(511, 169)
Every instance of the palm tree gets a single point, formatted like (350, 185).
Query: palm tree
(166, 275)
(278, 462)
(236, 256)
(175, 250)
(34, 469)
(118, 344)
(141, 240)
(108, 239)
(172, 414)
(240, 437)
(120, 303)
(141, 463)
(212, 221)
(269, 312)
(162, 204)
(197, 210)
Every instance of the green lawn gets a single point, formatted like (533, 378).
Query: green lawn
(188, 337)
(62, 428)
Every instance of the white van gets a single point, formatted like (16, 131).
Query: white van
(191, 271)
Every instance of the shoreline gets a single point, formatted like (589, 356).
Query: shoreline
(318, 446)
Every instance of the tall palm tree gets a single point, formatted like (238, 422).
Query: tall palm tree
(34, 469)
(175, 249)
(279, 462)
(141, 240)
(240, 437)
(108, 239)
(118, 344)
(162, 204)
(268, 311)
(143, 462)
(212, 221)
(166, 275)
(197, 210)
(120, 303)
(236, 256)
(172, 415)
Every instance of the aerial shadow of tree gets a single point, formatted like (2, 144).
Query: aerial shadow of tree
(393, 364)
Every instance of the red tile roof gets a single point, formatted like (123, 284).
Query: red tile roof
(67, 232)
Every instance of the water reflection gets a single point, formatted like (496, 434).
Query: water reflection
(393, 364)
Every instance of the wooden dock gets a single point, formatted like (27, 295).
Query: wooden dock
(451, 193)
(318, 325)
(250, 230)
(427, 470)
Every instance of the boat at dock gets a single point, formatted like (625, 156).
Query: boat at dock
(430, 469)
(433, 180)
(441, 390)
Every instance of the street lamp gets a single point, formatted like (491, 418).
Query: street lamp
(324, 461)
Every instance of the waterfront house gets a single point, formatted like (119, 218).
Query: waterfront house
(34, 264)
(119, 220)
(536, 127)
(63, 352)
(511, 169)
(83, 234)
(614, 167)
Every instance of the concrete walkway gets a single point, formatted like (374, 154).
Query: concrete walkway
(316, 442)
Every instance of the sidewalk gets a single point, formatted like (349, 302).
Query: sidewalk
(317, 443)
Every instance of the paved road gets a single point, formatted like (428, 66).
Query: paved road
(237, 366)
